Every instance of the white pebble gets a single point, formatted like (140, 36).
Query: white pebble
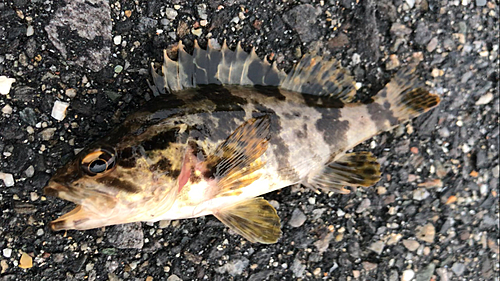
(5, 84)
(117, 39)
(408, 275)
(485, 99)
(71, 93)
(7, 109)
(59, 110)
(7, 252)
(8, 179)
(466, 148)
(30, 31)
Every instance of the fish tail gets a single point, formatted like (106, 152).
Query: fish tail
(405, 96)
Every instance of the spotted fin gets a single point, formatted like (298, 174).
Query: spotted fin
(254, 219)
(316, 75)
(313, 75)
(405, 96)
(236, 161)
(214, 66)
(352, 169)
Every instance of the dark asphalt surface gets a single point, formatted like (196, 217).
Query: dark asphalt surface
(433, 216)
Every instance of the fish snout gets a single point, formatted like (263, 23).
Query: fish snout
(54, 189)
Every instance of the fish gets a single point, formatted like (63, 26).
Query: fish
(226, 127)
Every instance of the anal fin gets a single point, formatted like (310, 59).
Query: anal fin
(352, 169)
(254, 219)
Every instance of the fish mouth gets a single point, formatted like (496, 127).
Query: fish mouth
(79, 218)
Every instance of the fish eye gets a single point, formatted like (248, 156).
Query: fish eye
(99, 161)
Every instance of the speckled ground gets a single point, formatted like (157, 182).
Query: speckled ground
(433, 216)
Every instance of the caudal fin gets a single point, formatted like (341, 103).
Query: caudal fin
(406, 96)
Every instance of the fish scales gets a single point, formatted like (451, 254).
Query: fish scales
(200, 149)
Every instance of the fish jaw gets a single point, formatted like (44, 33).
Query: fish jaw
(92, 211)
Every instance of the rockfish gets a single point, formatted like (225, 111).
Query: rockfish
(225, 128)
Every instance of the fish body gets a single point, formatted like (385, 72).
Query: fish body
(231, 129)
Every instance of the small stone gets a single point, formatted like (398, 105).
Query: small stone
(369, 265)
(437, 72)
(235, 267)
(411, 245)
(40, 232)
(496, 171)
(458, 268)
(420, 194)
(7, 109)
(481, 3)
(443, 274)
(59, 110)
(48, 133)
(4, 266)
(431, 46)
(174, 277)
(322, 244)
(30, 31)
(408, 275)
(7, 252)
(400, 30)
(170, 13)
(365, 204)
(118, 69)
(394, 238)
(71, 93)
(392, 62)
(411, 3)
(381, 190)
(426, 273)
(485, 99)
(377, 247)
(298, 268)
(164, 223)
(34, 196)
(197, 32)
(126, 236)
(356, 274)
(426, 233)
(298, 218)
(26, 261)
(8, 179)
(117, 39)
(5, 84)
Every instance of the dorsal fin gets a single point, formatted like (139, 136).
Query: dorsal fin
(214, 66)
(316, 75)
(313, 75)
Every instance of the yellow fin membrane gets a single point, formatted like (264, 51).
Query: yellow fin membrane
(254, 219)
(352, 169)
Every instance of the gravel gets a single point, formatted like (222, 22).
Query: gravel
(433, 216)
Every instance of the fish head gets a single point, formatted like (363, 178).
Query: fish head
(129, 181)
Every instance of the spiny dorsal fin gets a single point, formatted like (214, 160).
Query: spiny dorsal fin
(214, 66)
(235, 163)
(313, 75)
(254, 219)
(352, 169)
(405, 95)
(316, 75)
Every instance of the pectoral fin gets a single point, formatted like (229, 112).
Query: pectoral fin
(254, 219)
(352, 169)
(236, 162)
